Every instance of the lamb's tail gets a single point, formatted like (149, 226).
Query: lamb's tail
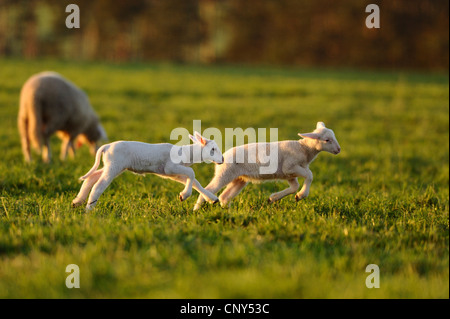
(97, 161)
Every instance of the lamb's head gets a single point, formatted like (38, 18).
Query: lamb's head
(93, 136)
(322, 139)
(209, 149)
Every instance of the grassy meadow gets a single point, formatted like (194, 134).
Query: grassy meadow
(384, 200)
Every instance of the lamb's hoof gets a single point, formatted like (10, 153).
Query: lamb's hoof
(76, 204)
(270, 201)
(297, 198)
(91, 206)
(216, 201)
(181, 198)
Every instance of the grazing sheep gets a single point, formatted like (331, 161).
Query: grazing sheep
(165, 160)
(50, 103)
(293, 158)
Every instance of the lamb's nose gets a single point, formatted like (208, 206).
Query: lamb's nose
(338, 150)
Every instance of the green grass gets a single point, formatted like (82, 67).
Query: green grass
(384, 200)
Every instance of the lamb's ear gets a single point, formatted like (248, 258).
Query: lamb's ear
(309, 135)
(203, 140)
(320, 125)
(193, 139)
(200, 138)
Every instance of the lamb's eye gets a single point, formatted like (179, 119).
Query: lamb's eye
(328, 141)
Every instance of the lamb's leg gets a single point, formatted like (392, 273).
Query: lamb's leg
(232, 190)
(86, 188)
(307, 174)
(293, 186)
(216, 184)
(198, 187)
(103, 182)
(189, 175)
(205, 193)
(185, 171)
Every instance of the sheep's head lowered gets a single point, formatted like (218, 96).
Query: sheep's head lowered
(93, 136)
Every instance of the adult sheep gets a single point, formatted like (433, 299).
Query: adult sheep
(50, 104)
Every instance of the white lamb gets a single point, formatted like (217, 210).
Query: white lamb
(52, 104)
(293, 158)
(165, 160)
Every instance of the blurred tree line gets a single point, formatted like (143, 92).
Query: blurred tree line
(413, 33)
